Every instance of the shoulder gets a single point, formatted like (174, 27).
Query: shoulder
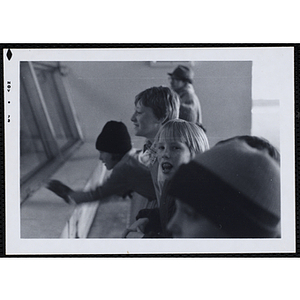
(189, 89)
(131, 154)
(130, 161)
(190, 92)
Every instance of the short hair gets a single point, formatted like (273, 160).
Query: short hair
(162, 100)
(258, 143)
(189, 133)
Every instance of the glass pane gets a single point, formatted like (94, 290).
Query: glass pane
(54, 107)
(32, 149)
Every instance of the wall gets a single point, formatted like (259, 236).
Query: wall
(265, 120)
(103, 91)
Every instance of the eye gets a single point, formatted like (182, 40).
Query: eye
(176, 147)
(161, 148)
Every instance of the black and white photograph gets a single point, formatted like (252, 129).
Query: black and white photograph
(123, 150)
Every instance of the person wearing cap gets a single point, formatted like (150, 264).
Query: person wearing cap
(259, 143)
(114, 146)
(229, 191)
(181, 80)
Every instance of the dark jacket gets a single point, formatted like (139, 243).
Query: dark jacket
(159, 217)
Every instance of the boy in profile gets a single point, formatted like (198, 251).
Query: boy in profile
(115, 151)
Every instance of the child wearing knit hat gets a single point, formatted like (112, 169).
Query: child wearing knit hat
(113, 143)
(114, 146)
(231, 191)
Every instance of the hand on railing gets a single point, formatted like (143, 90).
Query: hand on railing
(60, 190)
(137, 226)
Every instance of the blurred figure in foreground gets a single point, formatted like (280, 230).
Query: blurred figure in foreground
(230, 191)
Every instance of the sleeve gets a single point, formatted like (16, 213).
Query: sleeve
(116, 184)
(154, 225)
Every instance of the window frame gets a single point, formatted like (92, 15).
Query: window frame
(31, 181)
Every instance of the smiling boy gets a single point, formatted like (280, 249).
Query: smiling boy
(154, 107)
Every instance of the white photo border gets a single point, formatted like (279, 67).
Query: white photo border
(281, 57)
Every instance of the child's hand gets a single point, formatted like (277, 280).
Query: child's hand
(137, 226)
(60, 189)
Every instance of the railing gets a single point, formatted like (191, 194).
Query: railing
(79, 224)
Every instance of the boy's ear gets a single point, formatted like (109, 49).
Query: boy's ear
(116, 157)
(193, 154)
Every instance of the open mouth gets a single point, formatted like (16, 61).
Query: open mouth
(166, 167)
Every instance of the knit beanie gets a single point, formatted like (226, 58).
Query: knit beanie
(114, 138)
(235, 186)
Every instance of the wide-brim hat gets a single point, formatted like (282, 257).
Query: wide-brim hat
(235, 186)
(183, 73)
(114, 138)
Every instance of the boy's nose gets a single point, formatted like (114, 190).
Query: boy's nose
(166, 153)
(133, 118)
